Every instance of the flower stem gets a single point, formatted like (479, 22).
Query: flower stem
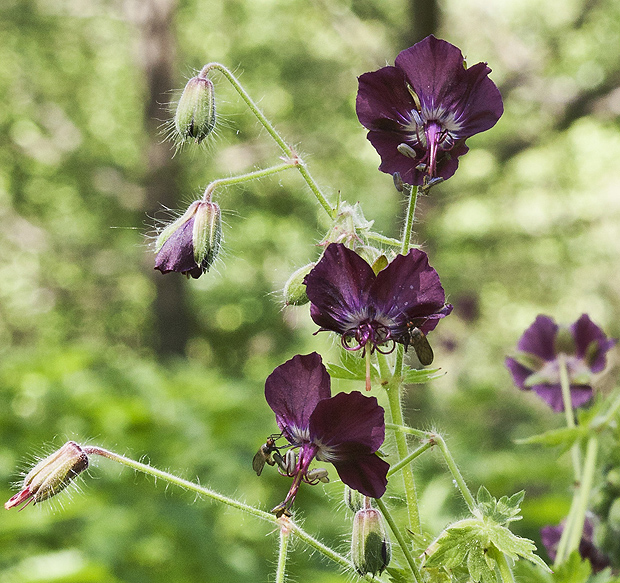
(290, 153)
(436, 439)
(406, 234)
(413, 455)
(285, 533)
(395, 405)
(504, 569)
(203, 491)
(245, 178)
(401, 541)
(383, 239)
(570, 416)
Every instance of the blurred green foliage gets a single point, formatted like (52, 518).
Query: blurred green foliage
(528, 224)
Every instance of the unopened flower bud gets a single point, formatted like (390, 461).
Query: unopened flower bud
(195, 114)
(371, 549)
(295, 289)
(51, 475)
(190, 244)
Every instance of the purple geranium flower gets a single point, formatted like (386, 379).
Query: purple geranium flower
(345, 430)
(551, 536)
(536, 366)
(375, 310)
(421, 111)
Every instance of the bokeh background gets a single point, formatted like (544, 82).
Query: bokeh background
(95, 346)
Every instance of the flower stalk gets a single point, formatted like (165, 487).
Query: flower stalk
(260, 116)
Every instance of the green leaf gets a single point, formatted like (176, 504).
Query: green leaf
(573, 570)
(565, 437)
(413, 376)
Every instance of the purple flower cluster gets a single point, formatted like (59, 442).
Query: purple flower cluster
(536, 366)
(345, 430)
(421, 111)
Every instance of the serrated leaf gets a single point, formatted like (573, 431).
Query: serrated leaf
(565, 437)
(573, 570)
(414, 376)
(398, 575)
(339, 372)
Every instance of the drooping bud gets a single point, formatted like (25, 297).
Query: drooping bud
(51, 475)
(294, 289)
(190, 244)
(194, 118)
(371, 549)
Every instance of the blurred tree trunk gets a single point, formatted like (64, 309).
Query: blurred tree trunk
(156, 49)
(424, 17)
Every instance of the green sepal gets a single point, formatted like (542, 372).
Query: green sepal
(175, 225)
(414, 376)
(207, 234)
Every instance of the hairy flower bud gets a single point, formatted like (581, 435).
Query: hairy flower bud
(51, 475)
(371, 549)
(295, 289)
(353, 500)
(190, 244)
(195, 114)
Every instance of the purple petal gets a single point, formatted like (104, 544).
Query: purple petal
(518, 371)
(393, 161)
(383, 102)
(435, 69)
(337, 287)
(177, 253)
(409, 290)
(552, 395)
(294, 389)
(585, 333)
(347, 418)
(365, 473)
(539, 338)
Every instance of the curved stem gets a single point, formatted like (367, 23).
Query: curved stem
(290, 153)
(245, 178)
(201, 490)
(436, 439)
(401, 540)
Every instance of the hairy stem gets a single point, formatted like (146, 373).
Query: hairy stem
(285, 535)
(570, 416)
(288, 150)
(404, 545)
(245, 178)
(203, 491)
(408, 226)
(504, 569)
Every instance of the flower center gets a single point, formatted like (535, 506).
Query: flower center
(368, 332)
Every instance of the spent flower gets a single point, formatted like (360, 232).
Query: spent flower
(190, 244)
(50, 476)
(421, 110)
(582, 346)
(345, 430)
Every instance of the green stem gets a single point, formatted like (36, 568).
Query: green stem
(611, 413)
(282, 555)
(436, 439)
(201, 490)
(570, 416)
(245, 178)
(290, 153)
(413, 455)
(406, 234)
(401, 540)
(383, 239)
(396, 413)
(584, 495)
(561, 554)
(504, 569)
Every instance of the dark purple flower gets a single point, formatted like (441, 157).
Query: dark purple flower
(375, 310)
(190, 244)
(536, 365)
(345, 430)
(421, 111)
(551, 535)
